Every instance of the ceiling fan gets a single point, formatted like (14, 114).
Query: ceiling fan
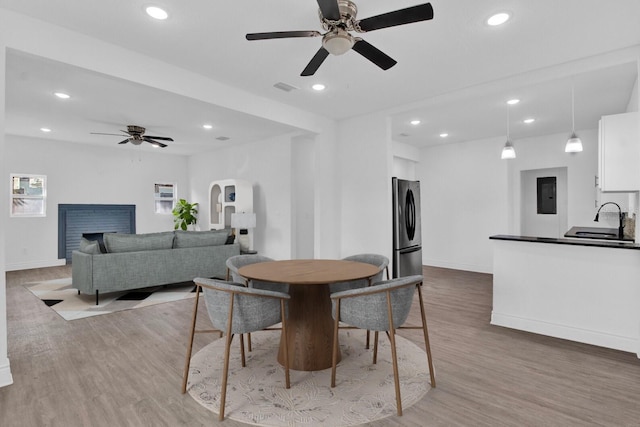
(338, 17)
(136, 136)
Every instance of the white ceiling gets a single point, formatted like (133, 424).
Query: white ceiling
(454, 73)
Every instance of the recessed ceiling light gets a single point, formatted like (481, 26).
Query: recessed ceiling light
(498, 19)
(62, 95)
(318, 87)
(45, 129)
(444, 135)
(415, 122)
(527, 121)
(513, 101)
(207, 126)
(156, 13)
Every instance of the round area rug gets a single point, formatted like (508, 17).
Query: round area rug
(257, 395)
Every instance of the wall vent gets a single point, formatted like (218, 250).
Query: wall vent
(285, 87)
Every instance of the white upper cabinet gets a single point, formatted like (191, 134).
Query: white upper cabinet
(619, 153)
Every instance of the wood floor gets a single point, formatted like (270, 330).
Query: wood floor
(124, 369)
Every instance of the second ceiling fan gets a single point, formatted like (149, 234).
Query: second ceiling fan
(338, 17)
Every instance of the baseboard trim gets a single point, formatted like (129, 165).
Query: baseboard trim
(34, 264)
(571, 333)
(5, 374)
(458, 266)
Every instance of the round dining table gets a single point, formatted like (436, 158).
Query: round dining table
(309, 321)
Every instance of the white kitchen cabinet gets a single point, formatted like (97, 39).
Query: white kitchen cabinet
(619, 153)
(226, 197)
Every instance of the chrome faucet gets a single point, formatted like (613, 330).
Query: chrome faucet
(621, 217)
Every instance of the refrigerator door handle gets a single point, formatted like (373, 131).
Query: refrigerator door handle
(410, 215)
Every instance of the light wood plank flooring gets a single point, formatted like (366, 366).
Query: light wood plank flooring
(124, 369)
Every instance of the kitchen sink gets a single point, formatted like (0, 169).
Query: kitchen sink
(598, 233)
(595, 234)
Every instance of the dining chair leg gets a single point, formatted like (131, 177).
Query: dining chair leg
(334, 356)
(286, 344)
(244, 363)
(375, 347)
(187, 363)
(394, 355)
(367, 344)
(426, 337)
(249, 341)
(225, 370)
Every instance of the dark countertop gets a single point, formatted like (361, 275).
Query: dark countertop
(575, 242)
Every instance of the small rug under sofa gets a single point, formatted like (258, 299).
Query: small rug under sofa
(62, 298)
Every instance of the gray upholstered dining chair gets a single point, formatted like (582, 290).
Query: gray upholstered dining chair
(383, 306)
(380, 261)
(236, 309)
(235, 262)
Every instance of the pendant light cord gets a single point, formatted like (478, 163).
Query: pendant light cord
(507, 122)
(573, 114)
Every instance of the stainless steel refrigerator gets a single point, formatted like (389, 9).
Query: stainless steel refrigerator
(407, 233)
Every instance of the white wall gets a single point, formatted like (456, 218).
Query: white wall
(303, 197)
(365, 156)
(265, 164)
(463, 196)
(5, 369)
(85, 174)
(405, 158)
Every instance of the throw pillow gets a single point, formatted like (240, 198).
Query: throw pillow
(196, 239)
(119, 242)
(89, 246)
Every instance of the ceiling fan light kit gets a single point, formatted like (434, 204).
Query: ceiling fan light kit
(136, 134)
(337, 18)
(338, 42)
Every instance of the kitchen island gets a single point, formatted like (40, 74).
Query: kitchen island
(577, 289)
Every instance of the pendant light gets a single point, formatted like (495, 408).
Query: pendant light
(508, 152)
(574, 144)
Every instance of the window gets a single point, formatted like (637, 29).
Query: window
(164, 198)
(28, 195)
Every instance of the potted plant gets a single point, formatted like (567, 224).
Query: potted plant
(185, 214)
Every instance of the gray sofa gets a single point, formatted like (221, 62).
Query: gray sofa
(134, 261)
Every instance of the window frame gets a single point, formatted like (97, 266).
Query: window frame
(13, 197)
(157, 197)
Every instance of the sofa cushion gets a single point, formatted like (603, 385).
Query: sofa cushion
(117, 242)
(89, 246)
(196, 239)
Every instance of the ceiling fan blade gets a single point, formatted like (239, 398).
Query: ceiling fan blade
(124, 142)
(315, 62)
(282, 35)
(374, 54)
(100, 133)
(329, 9)
(161, 138)
(151, 141)
(409, 15)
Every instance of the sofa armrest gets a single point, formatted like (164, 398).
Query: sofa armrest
(82, 271)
